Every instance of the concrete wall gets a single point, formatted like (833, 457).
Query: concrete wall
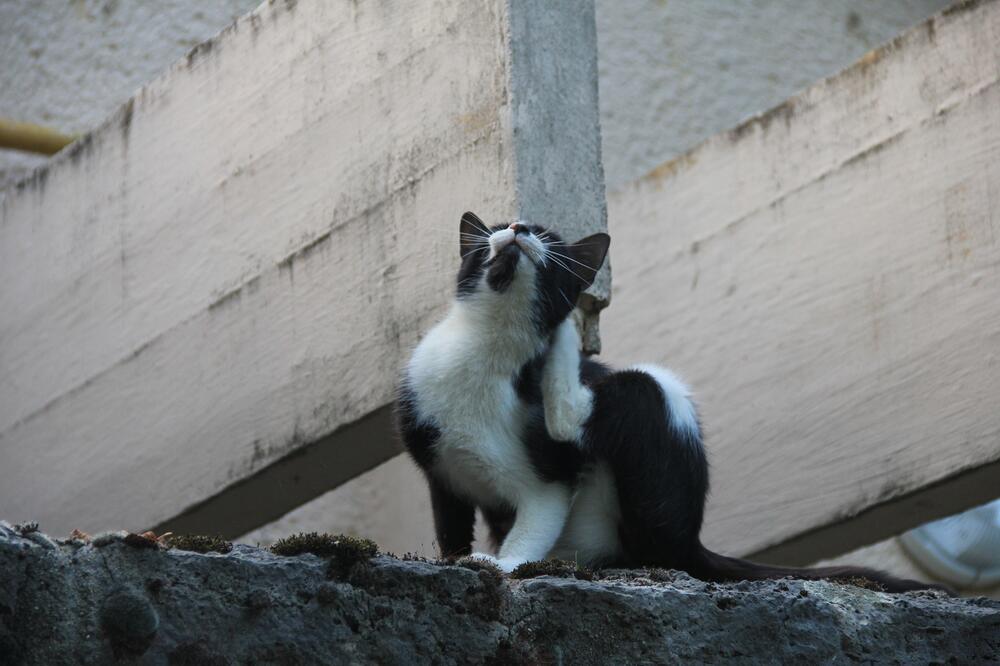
(671, 73)
(674, 73)
(69, 65)
(232, 268)
(825, 277)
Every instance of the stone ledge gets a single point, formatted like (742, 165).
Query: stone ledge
(79, 602)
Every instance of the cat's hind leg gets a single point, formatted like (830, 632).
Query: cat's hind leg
(645, 427)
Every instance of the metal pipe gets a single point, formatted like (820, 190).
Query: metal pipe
(32, 138)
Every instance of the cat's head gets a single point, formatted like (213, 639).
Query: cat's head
(522, 265)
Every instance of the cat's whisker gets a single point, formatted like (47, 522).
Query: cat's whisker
(478, 240)
(465, 234)
(471, 252)
(566, 298)
(568, 269)
(563, 256)
(479, 224)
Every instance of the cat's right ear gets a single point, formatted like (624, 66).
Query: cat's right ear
(588, 254)
(473, 234)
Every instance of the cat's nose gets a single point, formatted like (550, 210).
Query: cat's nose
(518, 228)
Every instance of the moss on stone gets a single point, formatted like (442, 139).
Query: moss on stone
(476, 564)
(557, 568)
(859, 581)
(27, 528)
(324, 545)
(342, 550)
(199, 543)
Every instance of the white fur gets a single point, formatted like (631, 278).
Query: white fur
(499, 240)
(541, 515)
(591, 532)
(461, 375)
(568, 403)
(683, 415)
(529, 243)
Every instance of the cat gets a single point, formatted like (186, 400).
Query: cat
(565, 457)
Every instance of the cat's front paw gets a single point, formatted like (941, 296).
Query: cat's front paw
(504, 564)
(508, 564)
(566, 414)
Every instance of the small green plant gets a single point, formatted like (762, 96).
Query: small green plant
(557, 568)
(860, 581)
(477, 564)
(199, 543)
(343, 551)
(25, 529)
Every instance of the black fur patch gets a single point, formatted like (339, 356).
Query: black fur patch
(501, 268)
(552, 460)
(662, 477)
(454, 520)
(499, 520)
(418, 437)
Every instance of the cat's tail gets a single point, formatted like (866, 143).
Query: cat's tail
(711, 566)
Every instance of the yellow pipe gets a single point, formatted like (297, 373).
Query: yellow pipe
(32, 138)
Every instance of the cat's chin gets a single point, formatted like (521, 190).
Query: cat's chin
(502, 268)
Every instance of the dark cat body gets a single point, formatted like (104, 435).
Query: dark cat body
(563, 456)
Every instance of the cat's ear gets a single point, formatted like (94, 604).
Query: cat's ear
(588, 255)
(472, 234)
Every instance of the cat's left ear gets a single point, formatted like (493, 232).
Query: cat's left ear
(589, 254)
(472, 233)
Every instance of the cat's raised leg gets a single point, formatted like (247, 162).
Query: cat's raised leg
(567, 401)
(541, 516)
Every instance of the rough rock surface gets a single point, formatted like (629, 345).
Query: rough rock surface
(93, 602)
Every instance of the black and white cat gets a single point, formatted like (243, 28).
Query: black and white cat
(564, 457)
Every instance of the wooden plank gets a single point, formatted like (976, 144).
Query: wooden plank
(234, 266)
(827, 277)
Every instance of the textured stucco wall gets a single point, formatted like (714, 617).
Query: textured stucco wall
(674, 72)
(68, 65)
(671, 73)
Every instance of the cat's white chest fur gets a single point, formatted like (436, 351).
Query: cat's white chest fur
(463, 385)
